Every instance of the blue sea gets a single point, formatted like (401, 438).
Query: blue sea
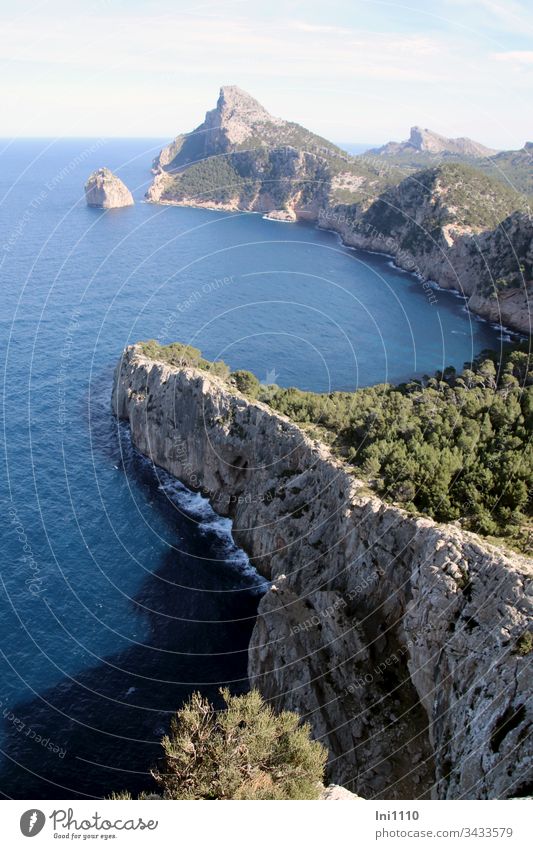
(122, 592)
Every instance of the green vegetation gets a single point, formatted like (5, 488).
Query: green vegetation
(512, 168)
(183, 356)
(481, 201)
(245, 751)
(289, 133)
(450, 194)
(524, 644)
(240, 177)
(452, 447)
(246, 382)
(213, 178)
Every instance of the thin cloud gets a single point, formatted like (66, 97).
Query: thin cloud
(524, 57)
(504, 14)
(119, 74)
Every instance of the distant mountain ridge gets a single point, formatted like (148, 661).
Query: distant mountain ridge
(427, 202)
(427, 149)
(427, 141)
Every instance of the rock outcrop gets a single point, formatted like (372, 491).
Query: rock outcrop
(426, 141)
(335, 793)
(401, 641)
(106, 191)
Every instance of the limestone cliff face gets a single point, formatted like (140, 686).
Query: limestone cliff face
(397, 638)
(283, 183)
(457, 229)
(106, 191)
(237, 117)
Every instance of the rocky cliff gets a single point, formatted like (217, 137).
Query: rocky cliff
(401, 641)
(284, 183)
(106, 191)
(444, 222)
(457, 227)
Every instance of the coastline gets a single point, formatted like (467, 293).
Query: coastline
(515, 334)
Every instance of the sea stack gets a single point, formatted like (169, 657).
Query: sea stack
(106, 191)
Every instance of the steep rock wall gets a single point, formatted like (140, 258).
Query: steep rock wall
(397, 638)
(492, 269)
(285, 183)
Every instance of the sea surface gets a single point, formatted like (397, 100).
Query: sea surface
(121, 591)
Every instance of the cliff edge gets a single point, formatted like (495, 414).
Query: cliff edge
(400, 640)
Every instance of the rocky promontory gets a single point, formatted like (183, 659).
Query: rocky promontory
(242, 157)
(457, 227)
(400, 640)
(105, 190)
(422, 140)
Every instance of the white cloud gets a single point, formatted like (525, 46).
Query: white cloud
(141, 73)
(524, 57)
(172, 42)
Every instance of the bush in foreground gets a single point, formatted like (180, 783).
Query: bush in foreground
(245, 751)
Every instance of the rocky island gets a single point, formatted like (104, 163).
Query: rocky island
(403, 642)
(105, 190)
(430, 202)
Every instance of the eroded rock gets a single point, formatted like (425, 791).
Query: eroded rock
(106, 191)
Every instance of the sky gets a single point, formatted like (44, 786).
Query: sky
(352, 70)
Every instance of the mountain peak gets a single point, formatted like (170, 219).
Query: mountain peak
(236, 117)
(423, 140)
(236, 110)
(236, 95)
(431, 142)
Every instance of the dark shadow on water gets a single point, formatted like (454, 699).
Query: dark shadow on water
(107, 724)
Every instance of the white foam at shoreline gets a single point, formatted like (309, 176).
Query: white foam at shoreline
(508, 331)
(198, 508)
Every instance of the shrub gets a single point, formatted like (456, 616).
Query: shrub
(524, 644)
(245, 751)
(246, 382)
(456, 446)
(183, 356)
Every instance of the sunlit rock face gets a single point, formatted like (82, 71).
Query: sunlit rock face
(401, 641)
(106, 191)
